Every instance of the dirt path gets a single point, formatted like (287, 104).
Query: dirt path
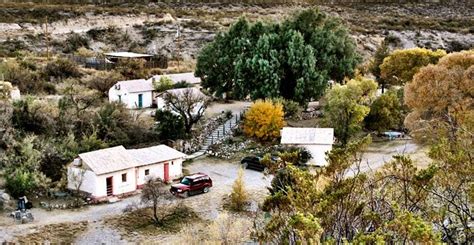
(208, 205)
(380, 153)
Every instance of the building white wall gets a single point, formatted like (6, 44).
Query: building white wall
(130, 99)
(88, 178)
(318, 153)
(119, 187)
(158, 171)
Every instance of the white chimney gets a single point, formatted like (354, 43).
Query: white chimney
(77, 162)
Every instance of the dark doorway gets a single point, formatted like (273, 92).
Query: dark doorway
(110, 186)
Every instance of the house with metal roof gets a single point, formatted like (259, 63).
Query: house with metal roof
(134, 94)
(318, 141)
(117, 171)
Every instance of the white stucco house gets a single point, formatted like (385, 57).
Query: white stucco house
(139, 93)
(117, 171)
(133, 93)
(317, 141)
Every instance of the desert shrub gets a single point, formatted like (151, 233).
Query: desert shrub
(20, 183)
(61, 69)
(291, 108)
(264, 120)
(27, 80)
(33, 116)
(132, 68)
(102, 81)
(84, 52)
(75, 41)
(239, 196)
(10, 48)
(182, 84)
(163, 84)
(169, 125)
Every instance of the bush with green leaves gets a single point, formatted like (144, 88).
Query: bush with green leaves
(293, 60)
(75, 41)
(163, 84)
(386, 112)
(169, 125)
(61, 69)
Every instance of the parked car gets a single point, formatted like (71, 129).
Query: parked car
(254, 162)
(192, 184)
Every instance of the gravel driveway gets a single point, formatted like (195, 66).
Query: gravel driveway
(223, 173)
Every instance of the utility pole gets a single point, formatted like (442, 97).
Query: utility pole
(47, 37)
(178, 45)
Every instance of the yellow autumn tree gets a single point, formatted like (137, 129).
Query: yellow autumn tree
(400, 66)
(264, 120)
(440, 97)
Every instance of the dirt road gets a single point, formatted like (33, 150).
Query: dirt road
(208, 205)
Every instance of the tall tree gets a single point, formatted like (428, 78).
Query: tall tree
(293, 60)
(441, 97)
(386, 112)
(400, 66)
(189, 103)
(347, 105)
(380, 54)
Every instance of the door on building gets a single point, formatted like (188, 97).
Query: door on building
(166, 175)
(140, 100)
(109, 186)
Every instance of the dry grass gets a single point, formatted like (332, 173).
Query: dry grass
(64, 233)
(140, 220)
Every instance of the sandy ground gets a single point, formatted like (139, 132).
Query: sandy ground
(207, 206)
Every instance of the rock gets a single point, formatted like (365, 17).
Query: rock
(5, 197)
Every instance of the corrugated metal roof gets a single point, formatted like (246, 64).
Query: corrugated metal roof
(307, 136)
(108, 160)
(155, 154)
(180, 91)
(118, 158)
(138, 85)
(127, 55)
(178, 77)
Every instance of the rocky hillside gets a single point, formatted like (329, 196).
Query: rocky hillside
(153, 29)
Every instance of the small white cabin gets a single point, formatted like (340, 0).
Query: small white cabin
(317, 141)
(117, 171)
(134, 94)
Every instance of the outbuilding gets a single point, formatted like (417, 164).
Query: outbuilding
(118, 171)
(318, 141)
(135, 94)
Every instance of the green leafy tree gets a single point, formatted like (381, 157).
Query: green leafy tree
(163, 84)
(347, 105)
(293, 60)
(169, 125)
(374, 67)
(386, 112)
(400, 66)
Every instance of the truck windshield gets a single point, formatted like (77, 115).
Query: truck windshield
(185, 181)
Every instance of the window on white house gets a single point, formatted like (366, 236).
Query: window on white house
(147, 172)
(124, 177)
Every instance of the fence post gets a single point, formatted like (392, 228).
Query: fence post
(218, 134)
(236, 118)
(223, 130)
